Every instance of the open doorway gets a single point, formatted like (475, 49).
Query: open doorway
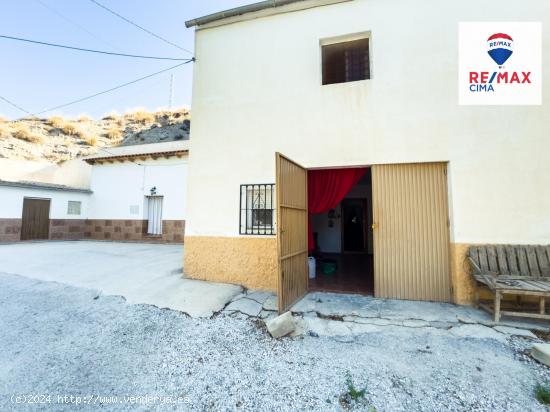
(343, 242)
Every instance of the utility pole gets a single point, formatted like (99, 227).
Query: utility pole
(171, 101)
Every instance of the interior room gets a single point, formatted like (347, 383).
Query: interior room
(341, 241)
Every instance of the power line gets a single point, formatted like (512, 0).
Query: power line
(111, 89)
(138, 26)
(14, 105)
(89, 50)
(74, 23)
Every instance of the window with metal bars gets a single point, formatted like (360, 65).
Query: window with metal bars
(346, 61)
(257, 209)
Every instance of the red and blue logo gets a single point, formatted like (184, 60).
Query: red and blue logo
(500, 47)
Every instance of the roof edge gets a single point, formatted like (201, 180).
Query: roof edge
(43, 186)
(238, 11)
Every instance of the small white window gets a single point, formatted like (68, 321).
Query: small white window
(154, 215)
(74, 207)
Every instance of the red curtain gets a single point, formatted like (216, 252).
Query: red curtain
(326, 188)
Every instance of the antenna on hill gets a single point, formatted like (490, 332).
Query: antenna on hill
(171, 99)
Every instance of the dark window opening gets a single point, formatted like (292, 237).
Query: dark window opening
(346, 62)
(257, 205)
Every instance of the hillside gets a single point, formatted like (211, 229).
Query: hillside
(57, 139)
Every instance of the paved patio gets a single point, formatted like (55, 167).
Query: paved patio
(141, 273)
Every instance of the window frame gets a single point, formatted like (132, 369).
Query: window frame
(328, 41)
(247, 211)
(74, 202)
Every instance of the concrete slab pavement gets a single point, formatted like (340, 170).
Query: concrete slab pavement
(141, 273)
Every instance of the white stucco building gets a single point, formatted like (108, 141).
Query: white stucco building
(133, 193)
(333, 84)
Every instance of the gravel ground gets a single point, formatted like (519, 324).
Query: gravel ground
(59, 340)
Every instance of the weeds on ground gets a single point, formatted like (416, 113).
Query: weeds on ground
(542, 393)
(4, 131)
(89, 140)
(354, 395)
(113, 133)
(141, 116)
(111, 116)
(56, 121)
(23, 132)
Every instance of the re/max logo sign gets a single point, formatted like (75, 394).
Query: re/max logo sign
(483, 81)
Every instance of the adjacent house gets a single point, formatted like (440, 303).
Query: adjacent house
(332, 129)
(134, 193)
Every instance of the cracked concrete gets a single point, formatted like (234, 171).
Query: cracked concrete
(342, 315)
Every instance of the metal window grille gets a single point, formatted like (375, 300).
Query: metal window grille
(154, 215)
(257, 209)
(346, 62)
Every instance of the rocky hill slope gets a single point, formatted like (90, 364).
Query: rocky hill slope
(57, 139)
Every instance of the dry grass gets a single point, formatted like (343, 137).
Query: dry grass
(3, 119)
(90, 140)
(84, 118)
(111, 116)
(4, 131)
(56, 121)
(141, 116)
(71, 130)
(23, 132)
(113, 134)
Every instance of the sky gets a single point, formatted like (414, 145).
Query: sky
(38, 77)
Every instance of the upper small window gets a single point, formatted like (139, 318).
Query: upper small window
(346, 61)
(73, 207)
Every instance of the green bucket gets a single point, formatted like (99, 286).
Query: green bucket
(328, 267)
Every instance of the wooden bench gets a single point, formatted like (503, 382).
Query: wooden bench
(521, 270)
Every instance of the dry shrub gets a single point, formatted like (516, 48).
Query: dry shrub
(111, 116)
(56, 121)
(4, 131)
(89, 140)
(141, 116)
(113, 133)
(70, 129)
(83, 118)
(22, 132)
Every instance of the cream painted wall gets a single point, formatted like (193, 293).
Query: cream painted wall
(12, 202)
(257, 90)
(118, 186)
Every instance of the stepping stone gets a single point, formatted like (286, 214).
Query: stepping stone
(541, 352)
(281, 325)
(515, 331)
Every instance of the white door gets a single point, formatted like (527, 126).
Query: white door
(154, 215)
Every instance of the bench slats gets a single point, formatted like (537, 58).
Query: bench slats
(512, 260)
(502, 262)
(544, 261)
(483, 263)
(492, 259)
(522, 260)
(534, 269)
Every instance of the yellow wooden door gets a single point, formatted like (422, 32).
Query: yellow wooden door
(411, 232)
(291, 187)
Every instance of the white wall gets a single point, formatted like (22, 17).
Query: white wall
(11, 206)
(257, 90)
(118, 186)
(74, 173)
